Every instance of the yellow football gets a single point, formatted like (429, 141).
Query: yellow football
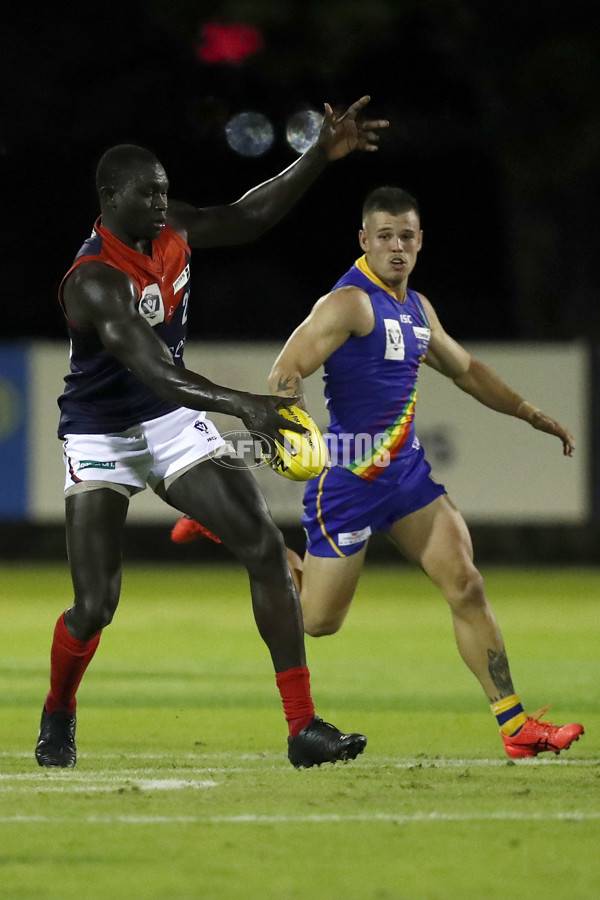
(299, 457)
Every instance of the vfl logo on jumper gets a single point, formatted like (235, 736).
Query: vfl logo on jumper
(95, 464)
(151, 307)
(347, 538)
(181, 279)
(394, 339)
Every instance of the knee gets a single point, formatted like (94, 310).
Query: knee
(319, 624)
(263, 550)
(320, 629)
(92, 611)
(465, 591)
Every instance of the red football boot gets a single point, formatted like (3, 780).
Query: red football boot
(187, 529)
(537, 737)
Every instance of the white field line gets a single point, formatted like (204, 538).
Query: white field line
(250, 819)
(147, 778)
(83, 782)
(94, 786)
(73, 775)
(271, 758)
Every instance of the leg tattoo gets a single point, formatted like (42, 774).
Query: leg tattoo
(500, 674)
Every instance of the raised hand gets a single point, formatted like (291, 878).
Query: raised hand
(341, 135)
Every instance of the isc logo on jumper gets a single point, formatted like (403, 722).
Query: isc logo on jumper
(151, 305)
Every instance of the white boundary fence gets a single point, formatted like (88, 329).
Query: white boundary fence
(496, 469)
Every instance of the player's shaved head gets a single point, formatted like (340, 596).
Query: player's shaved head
(119, 163)
(393, 200)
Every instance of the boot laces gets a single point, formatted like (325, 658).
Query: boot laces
(547, 728)
(538, 715)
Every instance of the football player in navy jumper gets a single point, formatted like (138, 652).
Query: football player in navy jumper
(132, 415)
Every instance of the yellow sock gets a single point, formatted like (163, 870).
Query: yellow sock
(510, 715)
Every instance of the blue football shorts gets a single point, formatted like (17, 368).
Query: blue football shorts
(341, 510)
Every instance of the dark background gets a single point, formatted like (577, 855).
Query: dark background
(495, 127)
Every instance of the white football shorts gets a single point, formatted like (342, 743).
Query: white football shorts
(152, 453)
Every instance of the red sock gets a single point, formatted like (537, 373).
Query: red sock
(294, 687)
(69, 658)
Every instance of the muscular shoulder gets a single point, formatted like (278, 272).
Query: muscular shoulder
(94, 288)
(351, 309)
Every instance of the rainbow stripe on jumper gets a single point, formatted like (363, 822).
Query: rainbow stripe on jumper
(389, 446)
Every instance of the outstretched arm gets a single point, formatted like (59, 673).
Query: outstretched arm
(332, 320)
(263, 206)
(482, 382)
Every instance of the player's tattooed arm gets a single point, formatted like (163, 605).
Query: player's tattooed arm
(291, 386)
(500, 674)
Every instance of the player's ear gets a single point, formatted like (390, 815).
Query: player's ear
(362, 240)
(107, 195)
(420, 240)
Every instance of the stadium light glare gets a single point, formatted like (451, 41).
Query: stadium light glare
(249, 133)
(302, 129)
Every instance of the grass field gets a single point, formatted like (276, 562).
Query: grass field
(183, 788)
